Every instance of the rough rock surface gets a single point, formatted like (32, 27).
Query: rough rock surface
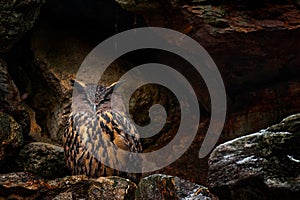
(54, 48)
(263, 165)
(161, 186)
(11, 137)
(112, 188)
(14, 121)
(157, 186)
(22, 185)
(16, 18)
(10, 96)
(79, 187)
(10, 99)
(187, 190)
(255, 46)
(258, 92)
(43, 159)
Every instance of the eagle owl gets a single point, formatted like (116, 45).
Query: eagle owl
(94, 131)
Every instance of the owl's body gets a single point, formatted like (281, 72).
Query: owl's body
(95, 134)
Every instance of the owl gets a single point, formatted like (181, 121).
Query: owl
(95, 132)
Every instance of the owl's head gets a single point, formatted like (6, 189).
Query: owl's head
(96, 95)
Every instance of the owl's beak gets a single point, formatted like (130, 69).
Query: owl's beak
(94, 107)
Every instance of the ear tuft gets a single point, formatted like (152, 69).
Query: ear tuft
(80, 86)
(115, 84)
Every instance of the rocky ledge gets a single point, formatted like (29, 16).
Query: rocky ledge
(263, 165)
(22, 185)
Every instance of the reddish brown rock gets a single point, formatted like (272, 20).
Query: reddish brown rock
(22, 185)
(256, 48)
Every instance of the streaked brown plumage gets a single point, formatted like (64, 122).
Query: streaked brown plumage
(94, 132)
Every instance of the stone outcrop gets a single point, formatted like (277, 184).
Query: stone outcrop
(263, 165)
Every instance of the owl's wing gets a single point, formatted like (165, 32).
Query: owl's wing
(122, 133)
(99, 137)
(121, 130)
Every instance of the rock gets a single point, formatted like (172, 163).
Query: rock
(11, 137)
(11, 140)
(262, 83)
(111, 188)
(157, 186)
(10, 99)
(43, 159)
(66, 187)
(290, 124)
(79, 187)
(54, 102)
(160, 186)
(263, 165)
(156, 13)
(82, 188)
(187, 190)
(16, 18)
(9, 92)
(21, 185)
(35, 132)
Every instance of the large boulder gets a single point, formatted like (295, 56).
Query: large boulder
(43, 159)
(263, 165)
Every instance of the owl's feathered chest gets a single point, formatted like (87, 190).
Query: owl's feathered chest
(111, 125)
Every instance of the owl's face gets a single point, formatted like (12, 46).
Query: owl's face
(97, 95)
